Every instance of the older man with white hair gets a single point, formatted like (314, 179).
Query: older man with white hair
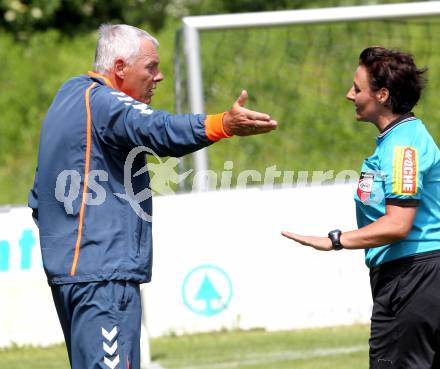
(95, 233)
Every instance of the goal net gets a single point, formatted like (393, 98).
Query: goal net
(299, 71)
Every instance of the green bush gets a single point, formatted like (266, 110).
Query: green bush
(298, 74)
(32, 72)
(23, 17)
(31, 75)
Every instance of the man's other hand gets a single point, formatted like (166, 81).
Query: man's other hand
(244, 122)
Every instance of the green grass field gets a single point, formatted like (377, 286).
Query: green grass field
(324, 348)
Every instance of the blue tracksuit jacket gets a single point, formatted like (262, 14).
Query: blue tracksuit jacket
(91, 227)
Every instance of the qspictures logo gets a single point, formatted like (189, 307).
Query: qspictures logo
(68, 183)
(164, 177)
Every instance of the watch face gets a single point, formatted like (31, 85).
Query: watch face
(335, 238)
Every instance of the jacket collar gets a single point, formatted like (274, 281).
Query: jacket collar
(100, 78)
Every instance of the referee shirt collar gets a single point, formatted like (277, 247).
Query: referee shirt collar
(400, 120)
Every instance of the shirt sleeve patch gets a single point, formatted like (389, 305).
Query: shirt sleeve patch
(129, 101)
(405, 165)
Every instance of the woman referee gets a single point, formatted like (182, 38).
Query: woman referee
(398, 214)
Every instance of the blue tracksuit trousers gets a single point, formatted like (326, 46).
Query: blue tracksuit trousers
(101, 323)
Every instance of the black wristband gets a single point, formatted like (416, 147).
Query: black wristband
(335, 237)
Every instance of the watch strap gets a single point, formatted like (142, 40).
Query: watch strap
(335, 237)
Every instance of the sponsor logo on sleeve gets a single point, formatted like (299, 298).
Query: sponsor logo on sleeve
(405, 166)
(129, 101)
(365, 186)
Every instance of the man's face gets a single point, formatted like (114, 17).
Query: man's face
(142, 77)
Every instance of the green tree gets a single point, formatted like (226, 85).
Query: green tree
(23, 17)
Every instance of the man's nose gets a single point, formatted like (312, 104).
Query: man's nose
(158, 77)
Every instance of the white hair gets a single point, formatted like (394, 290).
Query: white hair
(118, 41)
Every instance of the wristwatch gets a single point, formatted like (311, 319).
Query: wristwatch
(335, 237)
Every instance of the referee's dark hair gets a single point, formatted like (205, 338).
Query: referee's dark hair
(397, 72)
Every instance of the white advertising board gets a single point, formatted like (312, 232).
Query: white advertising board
(219, 263)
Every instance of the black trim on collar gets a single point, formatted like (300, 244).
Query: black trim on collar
(402, 119)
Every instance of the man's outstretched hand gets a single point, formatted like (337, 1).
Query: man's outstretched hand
(244, 122)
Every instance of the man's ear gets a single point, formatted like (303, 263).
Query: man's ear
(382, 95)
(119, 67)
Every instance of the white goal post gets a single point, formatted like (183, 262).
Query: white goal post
(192, 26)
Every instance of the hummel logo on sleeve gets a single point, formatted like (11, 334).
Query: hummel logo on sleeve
(129, 101)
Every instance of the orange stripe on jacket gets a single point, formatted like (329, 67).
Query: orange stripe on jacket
(97, 75)
(214, 127)
(86, 180)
